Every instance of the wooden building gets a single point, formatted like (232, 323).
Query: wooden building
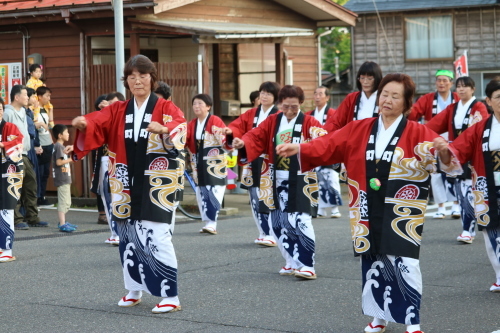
(419, 37)
(241, 43)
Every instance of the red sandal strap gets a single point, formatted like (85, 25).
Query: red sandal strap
(378, 326)
(129, 300)
(165, 305)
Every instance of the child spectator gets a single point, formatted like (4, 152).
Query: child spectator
(46, 144)
(62, 176)
(34, 82)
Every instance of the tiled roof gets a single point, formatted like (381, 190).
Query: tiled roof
(366, 6)
(24, 5)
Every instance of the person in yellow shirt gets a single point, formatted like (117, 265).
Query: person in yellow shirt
(35, 83)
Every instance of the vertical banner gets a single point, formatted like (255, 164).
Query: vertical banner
(461, 67)
(10, 75)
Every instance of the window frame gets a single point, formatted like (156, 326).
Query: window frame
(452, 58)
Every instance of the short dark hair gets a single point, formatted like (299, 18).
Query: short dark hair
(408, 89)
(205, 98)
(115, 94)
(34, 67)
(40, 91)
(143, 65)
(271, 87)
(290, 91)
(58, 129)
(253, 96)
(16, 90)
(2, 102)
(492, 86)
(327, 91)
(164, 90)
(369, 68)
(30, 92)
(466, 81)
(98, 101)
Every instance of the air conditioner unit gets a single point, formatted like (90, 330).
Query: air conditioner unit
(230, 107)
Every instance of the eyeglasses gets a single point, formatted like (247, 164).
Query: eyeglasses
(366, 78)
(285, 107)
(142, 78)
(265, 93)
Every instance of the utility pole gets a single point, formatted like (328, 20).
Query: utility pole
(119, 44)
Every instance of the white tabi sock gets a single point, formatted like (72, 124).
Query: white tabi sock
(455, 208)
(7, 253)
(442, 210)
(412, 328)
(170, 300)
(134, 295)
(377, 321)
(335, 209)
(211, 224)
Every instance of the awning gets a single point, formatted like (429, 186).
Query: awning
(220, 30)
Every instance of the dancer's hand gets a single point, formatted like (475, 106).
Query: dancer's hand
(287, 149)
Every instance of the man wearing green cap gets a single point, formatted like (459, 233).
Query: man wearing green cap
(428, 106)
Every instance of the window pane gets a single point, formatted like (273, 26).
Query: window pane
(252, 82)
(256, 57)
(441, 37)
(417, 43)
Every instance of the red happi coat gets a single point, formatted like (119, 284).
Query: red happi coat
(469, 147)
(261, 140)
(240, 126)
(12, 165)
(344, 114)
(160, 177)
(423, 107)
(412, 162)
(214, 160)
(444, 121)
(329, 113)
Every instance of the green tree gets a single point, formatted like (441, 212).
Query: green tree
(336, 44)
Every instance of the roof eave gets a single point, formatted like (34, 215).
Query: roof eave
(73, 9)
(361, 12)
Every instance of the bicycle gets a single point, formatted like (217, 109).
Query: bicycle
(187, 207)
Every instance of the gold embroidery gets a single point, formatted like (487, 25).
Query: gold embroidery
(159, 191)
(402, 208)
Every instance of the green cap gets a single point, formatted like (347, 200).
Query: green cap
(445, 72)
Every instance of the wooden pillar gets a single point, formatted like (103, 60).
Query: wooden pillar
(135, 45)
(204, 51)
(216, 78)
(280, 65)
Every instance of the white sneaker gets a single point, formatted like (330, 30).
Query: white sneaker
(456, 214)
(438, 215)
(336, 215)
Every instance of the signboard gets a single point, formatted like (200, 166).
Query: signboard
(461, 68)
(10, 75)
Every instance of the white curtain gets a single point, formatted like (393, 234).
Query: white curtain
(429, 37)
(441, 37)
(417, 44)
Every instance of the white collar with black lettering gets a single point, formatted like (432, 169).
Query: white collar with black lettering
(385, 135)
(139, 116)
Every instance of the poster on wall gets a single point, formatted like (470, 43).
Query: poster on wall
(10, 75)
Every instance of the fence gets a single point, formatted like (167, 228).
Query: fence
(182, 77)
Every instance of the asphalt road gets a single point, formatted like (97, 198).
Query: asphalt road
(71, 283)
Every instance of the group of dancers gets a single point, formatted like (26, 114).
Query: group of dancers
(289, 161)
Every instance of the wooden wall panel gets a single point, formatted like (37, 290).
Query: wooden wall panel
(304, 54)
